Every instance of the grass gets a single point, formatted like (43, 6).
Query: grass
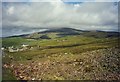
(63, 50)
(16, 41)
(7, 74)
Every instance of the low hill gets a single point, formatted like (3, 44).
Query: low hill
(88, 55)
(61, 32)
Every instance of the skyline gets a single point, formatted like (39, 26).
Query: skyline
(60, 0)
(78, 15)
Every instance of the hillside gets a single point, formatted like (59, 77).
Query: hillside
(61, 32)
(57, 55)
(91, 65)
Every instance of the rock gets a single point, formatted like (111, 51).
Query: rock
(39, 64)
(21, 77)
(33, 78)
(11, 65)
(81, 63)
(5, 65)
(21, 64)
(65, 53)
(76, 63)
(58, 62)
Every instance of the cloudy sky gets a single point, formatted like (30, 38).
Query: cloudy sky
(60, 13)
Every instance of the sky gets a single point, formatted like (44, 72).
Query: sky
(84, 15)
(62, 0)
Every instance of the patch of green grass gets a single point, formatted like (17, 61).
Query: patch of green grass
(6, 42)
(7, 74)
(52, 35)
(57, 52)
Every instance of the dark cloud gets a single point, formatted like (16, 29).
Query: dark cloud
(92, 16)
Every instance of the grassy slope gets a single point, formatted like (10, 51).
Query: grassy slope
(57, 52)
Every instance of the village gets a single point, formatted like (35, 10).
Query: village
(22, 47)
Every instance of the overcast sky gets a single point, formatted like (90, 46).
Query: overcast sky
(85, 15)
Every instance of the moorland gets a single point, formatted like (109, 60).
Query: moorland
(62, 54)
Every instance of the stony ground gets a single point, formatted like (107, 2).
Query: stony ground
(102, 64)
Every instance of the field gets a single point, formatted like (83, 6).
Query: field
(71, 57)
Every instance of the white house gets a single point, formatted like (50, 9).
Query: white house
(24, 45)
(11, 49)
(2, 48)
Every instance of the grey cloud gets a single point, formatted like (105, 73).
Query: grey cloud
(96, 15)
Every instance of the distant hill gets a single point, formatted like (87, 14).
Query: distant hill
(61, 32)
(64, 31)
(101, 34)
